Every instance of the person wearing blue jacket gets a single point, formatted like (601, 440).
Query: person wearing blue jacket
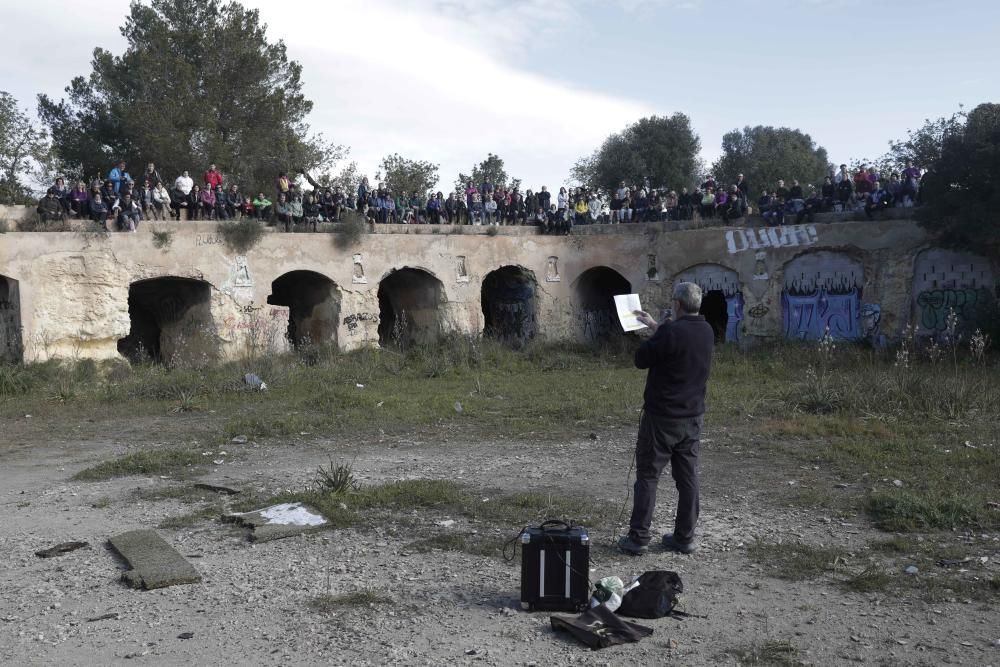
(118, 175)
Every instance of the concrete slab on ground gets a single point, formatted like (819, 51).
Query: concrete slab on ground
(154, 563)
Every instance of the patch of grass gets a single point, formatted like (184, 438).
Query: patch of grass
(893, 545)
(14, 380)
(336, 478)
(242, 235)
(101, 503)
(367, 597)
(901, 510)
(795, 561)
(154, 462)
(872, 579)
(773, 652)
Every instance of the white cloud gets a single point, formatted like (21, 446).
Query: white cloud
(426, 81)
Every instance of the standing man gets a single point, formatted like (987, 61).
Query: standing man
(678, 357)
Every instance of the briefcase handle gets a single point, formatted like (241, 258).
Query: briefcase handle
(554, 522)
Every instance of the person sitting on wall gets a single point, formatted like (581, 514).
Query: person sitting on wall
(828, 194)
(311, 211)
(234, 201)
(706, 207)
(194, 203)
(79, 200)
(179, 202)
(862, 185)
(450, 208)
(98, 210)
(129, 214)
(734, 208)
(160, 202)
(247, 211)
(206, 202)
(109, 193)
(283, 212)
(262, 207)
(911, 184)
(295, 210)
(811, 204)
(775, 214)
(50, 208)
(220, 211)
(184, 183)
(685, 206)
(895, 190)
(845, 194)
(878, 200)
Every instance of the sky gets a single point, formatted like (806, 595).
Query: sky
(542, 82)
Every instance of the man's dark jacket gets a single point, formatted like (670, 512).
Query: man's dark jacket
(679, 357)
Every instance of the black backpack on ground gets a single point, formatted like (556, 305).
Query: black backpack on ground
(654, 597)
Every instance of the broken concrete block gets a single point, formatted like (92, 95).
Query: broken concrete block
(60, 549)
(154, 563)
(278, 521)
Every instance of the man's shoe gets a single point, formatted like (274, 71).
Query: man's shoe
(681, 547)
(631, 547)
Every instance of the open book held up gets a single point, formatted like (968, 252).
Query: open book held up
(627, 305)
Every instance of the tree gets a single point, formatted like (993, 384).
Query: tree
(962, 188)
(22, 145)
(491, 170)
(198, 83)
(764, 154)
(662, 150)
(403, 176)
(923, 146)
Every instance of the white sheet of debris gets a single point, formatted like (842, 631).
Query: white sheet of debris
(290, 514)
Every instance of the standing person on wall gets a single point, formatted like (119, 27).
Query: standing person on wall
(678, 357)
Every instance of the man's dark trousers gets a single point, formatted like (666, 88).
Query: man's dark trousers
(662, 440)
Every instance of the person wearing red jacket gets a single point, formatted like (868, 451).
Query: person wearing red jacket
(213, 178)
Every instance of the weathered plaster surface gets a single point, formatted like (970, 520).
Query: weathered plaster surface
(73, 288)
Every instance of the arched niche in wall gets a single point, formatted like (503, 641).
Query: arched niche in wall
(11, 343)
(594, 295)
(722, 298)
(508, 299)
(313, 302)
(951, 280)
(822, 291)
(409, 303)
(170, 321)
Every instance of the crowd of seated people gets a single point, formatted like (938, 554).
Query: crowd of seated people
(125, 202)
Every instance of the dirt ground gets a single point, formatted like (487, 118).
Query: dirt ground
(252, 606)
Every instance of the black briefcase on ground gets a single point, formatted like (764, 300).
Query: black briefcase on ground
(555, 567)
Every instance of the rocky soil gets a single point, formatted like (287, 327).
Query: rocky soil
(253, 605)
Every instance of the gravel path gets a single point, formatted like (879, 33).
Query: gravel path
(252, 606)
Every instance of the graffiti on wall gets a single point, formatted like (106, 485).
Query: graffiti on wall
(599, 325)
(714, 280)
(948, 280)
(788, 236)
(968, 303)
(353, 321)
(822, 293)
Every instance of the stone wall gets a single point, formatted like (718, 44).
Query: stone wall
(72, 290)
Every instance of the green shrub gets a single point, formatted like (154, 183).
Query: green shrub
(242, 235)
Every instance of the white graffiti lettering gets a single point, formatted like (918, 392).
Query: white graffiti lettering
(789, 236)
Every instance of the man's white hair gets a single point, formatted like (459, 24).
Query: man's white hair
(688, 296)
